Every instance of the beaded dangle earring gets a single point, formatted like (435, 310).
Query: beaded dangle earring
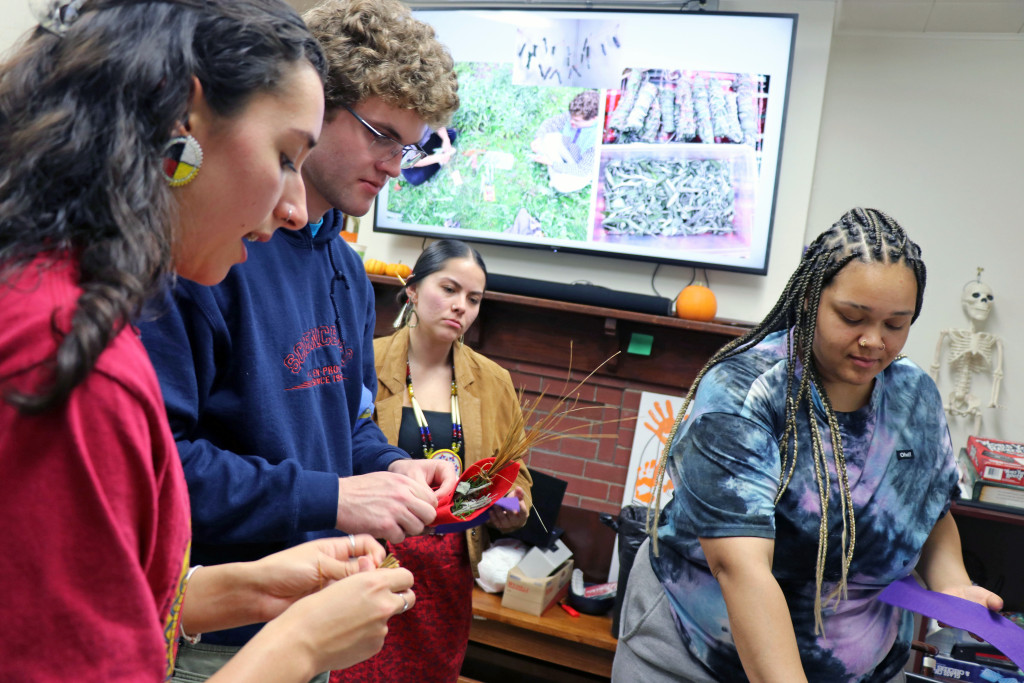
(182, 159)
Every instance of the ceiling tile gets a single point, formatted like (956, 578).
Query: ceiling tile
(890, 2)
(976, 16)
(884, 15)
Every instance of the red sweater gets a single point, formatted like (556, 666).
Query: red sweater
(94, 516)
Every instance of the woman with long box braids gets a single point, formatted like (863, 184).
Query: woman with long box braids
(812, 468)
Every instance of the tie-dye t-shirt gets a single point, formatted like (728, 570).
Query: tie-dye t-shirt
(726, 465)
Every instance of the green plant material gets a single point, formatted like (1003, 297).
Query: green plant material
(667, 98)
(652, 123)
(702, 111)
(686, 124)
(746, 109)
(471, 495)
(495, 116)
(671, 198)
(731, 111)
(633, 80)
(644, 99)
(725, 126)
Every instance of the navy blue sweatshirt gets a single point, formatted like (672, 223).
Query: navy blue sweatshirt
(269, 382)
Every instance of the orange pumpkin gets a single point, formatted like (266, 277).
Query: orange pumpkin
(397, 270)
(696, 302)
(374, 266)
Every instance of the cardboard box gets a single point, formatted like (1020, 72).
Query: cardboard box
(535, 595)
(1001, 462)
(541, 562)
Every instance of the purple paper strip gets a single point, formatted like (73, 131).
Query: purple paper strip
(994, 628)
(510, 503)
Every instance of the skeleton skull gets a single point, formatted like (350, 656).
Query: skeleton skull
(977, 300)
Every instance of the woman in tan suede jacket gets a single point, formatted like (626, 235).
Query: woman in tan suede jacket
(425, 359)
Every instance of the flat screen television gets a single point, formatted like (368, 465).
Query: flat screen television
(639, 134)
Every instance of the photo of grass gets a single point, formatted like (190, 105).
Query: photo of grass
(490, 184)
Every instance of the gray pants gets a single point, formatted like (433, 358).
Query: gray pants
(649, 648)
(196, 663)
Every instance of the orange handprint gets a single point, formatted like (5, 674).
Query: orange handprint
(643, 491)
(663, 421)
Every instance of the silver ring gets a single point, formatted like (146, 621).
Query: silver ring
(352, 542)
(405, 603)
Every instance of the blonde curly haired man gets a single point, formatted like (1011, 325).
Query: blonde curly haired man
(268, 377)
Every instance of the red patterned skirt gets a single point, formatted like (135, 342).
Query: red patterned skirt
(428, 643)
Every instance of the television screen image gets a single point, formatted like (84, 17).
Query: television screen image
(646, 135)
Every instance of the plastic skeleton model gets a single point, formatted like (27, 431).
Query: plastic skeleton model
(970, 352)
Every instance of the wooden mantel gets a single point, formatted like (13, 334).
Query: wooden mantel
(546, 332)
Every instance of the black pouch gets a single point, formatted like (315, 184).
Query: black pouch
(632, 530)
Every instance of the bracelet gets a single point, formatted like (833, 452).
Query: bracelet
(191, 640)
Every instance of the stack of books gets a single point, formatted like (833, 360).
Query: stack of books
(962, 658)
(993, 471)
(968, 671)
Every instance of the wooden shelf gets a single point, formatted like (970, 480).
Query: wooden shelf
(582, 644)
(722, 326)
(512, 329)
(991, 513)
(586, 629)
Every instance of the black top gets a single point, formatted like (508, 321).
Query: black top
(440, 432)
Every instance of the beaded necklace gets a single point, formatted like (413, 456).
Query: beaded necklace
(428, 443)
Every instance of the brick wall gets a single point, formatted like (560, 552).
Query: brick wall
(538, 339)
(594, 457)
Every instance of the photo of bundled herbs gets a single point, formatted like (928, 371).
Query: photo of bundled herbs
(665, 105)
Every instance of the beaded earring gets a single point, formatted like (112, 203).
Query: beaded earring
(182, 159)
(56, 17)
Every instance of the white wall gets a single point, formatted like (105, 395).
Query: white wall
(928, 129)
(743, 297)
(15, 19)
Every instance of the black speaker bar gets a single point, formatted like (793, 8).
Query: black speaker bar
(591, 295)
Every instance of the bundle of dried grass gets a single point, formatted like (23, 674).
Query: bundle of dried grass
(474, 492)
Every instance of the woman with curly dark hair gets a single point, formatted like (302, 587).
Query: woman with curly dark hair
(139, 140)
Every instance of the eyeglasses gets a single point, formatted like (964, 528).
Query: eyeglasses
(385, 147)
